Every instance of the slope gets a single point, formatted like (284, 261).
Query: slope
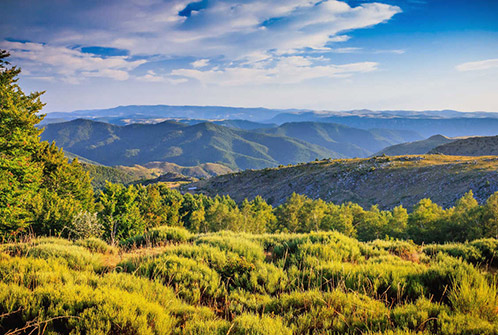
(473, 146)
(386, 181)
(416, 147)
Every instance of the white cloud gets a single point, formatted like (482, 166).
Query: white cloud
(479, 65)
(152, 76)
(70, 65)
(286, 70)
(230, 28)
(256, 35)
(200, 63)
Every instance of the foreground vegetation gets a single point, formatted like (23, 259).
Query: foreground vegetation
(235, 283)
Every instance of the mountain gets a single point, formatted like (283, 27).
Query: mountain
(386, 181)
(453, 124)
(180, 144)
(123, 115)
(238, 124)
(349, 142)
(472, 146)
(416, 147)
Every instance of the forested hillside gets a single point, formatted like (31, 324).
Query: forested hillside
(180, 144)
(347, 141)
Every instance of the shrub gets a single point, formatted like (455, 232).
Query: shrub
(191, 280)
(85, 225)
(96, 245)
(471, 294)
(158, 236)
(251, 324)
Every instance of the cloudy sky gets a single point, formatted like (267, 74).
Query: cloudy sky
(333, 55)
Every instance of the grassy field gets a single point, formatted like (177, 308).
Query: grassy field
(384, 181)
(173, 282)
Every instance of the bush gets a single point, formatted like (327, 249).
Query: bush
(96, 245)
(157, 237)
(191, 280)
(85, 225)
(251, 324)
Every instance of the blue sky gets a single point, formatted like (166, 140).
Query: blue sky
(324, 55)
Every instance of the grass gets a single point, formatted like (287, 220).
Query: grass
(230, 283)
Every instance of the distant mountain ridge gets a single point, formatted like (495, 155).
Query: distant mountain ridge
(426, 123)
(466, 124)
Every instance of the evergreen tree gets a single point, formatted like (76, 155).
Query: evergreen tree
(38, 187)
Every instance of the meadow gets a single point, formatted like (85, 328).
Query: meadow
(171, 281)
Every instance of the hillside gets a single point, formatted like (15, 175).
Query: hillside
(180, 144)
(386, 181)
(473, 146)
(349, 142)
(205, 170)
(416, 147)
(151, 173)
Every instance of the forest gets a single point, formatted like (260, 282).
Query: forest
(133, 259)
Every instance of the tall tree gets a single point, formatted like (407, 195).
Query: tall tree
(38, 187)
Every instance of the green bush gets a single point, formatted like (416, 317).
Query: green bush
(158, 236)
(251, 324)
(96, 245)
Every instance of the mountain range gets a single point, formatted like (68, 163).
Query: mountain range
(179, 143)
(426, 123)
(190, 145)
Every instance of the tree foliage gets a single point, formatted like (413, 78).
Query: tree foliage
(39, 189)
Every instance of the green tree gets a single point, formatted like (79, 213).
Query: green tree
(288, 219)
(38, 187)
(119, 212)
(424, 222)
(489, 220)
(463, 221)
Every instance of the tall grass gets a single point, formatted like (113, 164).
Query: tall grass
(229, 283)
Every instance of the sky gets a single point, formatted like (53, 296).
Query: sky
(310, 54)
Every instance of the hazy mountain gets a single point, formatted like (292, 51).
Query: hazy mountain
(386, 181)
(238, 124)
(416, 147)
(350, 142)
(179, 143)
(464, 124)
(472, 146)
(123, 115)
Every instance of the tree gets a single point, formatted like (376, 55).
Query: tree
(119, 212)
(489, 221)
(20, 175)
(424, 222)
(38, 187)
(287, 214)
